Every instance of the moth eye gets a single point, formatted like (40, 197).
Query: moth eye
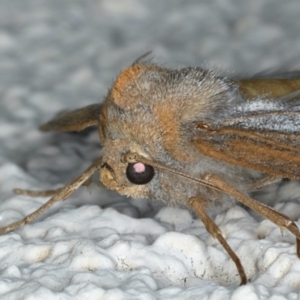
(139, 173)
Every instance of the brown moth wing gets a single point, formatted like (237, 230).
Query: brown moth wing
(272, 88)
(273, 152)
(262, 152)
(75, 120)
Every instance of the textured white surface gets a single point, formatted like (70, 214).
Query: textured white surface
(62, 54)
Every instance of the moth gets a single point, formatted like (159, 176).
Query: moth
(190, 137)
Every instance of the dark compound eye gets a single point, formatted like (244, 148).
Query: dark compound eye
(139, 173)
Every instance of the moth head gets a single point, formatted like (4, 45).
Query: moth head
(116, 173)
(127, 125)
(151, 111)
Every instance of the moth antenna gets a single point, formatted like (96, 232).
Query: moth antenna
(62, 194)
(134, 157)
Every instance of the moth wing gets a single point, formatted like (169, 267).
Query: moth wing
(262, 152)
(268, 142)
(75, 120)
(277, 74)
(269, 87)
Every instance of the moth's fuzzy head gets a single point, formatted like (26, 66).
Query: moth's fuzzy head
(153, 111)
(152, 105)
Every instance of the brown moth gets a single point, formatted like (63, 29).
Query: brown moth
(190, 137)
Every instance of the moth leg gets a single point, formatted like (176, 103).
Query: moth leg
(47, 193)
(268, 212)
(31, 193)
(264, 182)
(215, 231)
(62, 194)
